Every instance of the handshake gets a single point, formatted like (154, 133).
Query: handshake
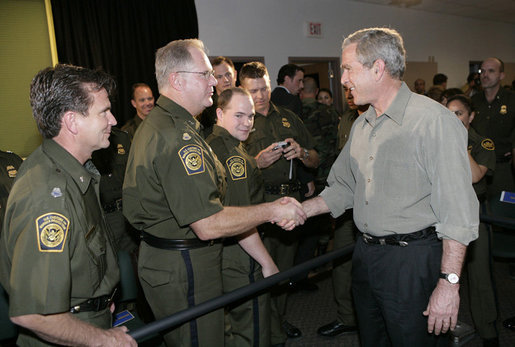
(287, 213)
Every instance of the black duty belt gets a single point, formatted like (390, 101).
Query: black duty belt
(113, 206)
(96, 304)
(282, 189)
(401, 240)
(178, 245)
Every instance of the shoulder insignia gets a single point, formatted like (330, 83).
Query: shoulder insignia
(121, 150)
(469, 148)
(192, 157)
(237, 167)
(503, 110)
(186, 137)
(11, 170)
(286, 123)
(488, 144)
(52, 229)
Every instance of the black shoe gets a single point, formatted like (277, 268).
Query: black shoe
(336, 328)
(493, 342)
(291, 330)
(509, 323)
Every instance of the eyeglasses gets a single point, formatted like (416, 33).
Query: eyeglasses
(205, 74)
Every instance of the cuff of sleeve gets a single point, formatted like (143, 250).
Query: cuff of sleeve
(458, 234)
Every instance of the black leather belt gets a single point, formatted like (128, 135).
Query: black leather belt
(401, 240)
(96, 304)
(178, 245)
(282, 189)
(113, 206)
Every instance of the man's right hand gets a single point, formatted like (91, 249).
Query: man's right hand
(268, 156)
(118, 337)
(288, 213)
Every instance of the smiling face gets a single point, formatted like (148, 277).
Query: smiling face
(94, 128)
(356, 77)
(259, 89)
(237, 117)
(226, 77)
(143, 101)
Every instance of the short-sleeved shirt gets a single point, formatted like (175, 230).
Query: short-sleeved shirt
(55, 249)
(482, 150)
(9, 165)
(244, 180)
(398, 172)
(276, 126)
(322, 123)
(173, 178)
(496, 120)
(132, 125)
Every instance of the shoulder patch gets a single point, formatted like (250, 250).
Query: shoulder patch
(488, 144)
(52, 229)
(286, 123)
(237, 167)
(192, 157)
(11, 170)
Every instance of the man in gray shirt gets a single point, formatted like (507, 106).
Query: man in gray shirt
(405, 172)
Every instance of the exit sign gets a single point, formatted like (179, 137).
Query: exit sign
(314, 29)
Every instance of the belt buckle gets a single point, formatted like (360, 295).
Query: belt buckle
(284, 189)
(367, 238)
(382, 241)
(75, 309)
(403, 243)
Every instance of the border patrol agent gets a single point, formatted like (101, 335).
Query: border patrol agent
(173, 192)
(57, 258)
(9, 166)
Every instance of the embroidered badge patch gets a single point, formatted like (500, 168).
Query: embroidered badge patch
(237, 167)
(488, 144)
(192, 158)
(121, 150)
(286, 124)
(11, 170)
(52, 229)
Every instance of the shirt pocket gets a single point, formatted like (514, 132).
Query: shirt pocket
(96, 245)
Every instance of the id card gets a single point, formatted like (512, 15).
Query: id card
(122, 317)
(508, 197)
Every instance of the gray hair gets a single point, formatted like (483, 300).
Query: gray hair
(379, 43)
(174, 56)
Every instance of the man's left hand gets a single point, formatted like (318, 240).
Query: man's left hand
(443, 307)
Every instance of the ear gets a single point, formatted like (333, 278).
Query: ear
(471, 117)
(69, 122)
(379, 68)
(133, 103)
(175, 81)
(219, 114)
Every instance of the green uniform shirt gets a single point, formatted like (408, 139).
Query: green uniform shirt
(173, 178)
(345, 126)
(55, 250)
(482, 150)
(322, 123)
(276, 126)
(9, 165)
(399, 172)
(244, 180)
(111, 163)
(496, 120)
(132, 125)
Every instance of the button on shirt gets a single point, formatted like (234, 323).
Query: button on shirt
(406, 170)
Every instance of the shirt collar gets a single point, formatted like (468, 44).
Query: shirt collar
(67, 162)
(225, 135)
(177, 111)
(397, 108)
(283, 87)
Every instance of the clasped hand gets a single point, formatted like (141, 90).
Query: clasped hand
(288, 213)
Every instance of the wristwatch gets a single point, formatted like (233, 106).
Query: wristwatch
(451, 277)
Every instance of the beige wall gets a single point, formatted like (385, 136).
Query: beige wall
(25, 49)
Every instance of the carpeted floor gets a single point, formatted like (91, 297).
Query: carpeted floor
(310, 310)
